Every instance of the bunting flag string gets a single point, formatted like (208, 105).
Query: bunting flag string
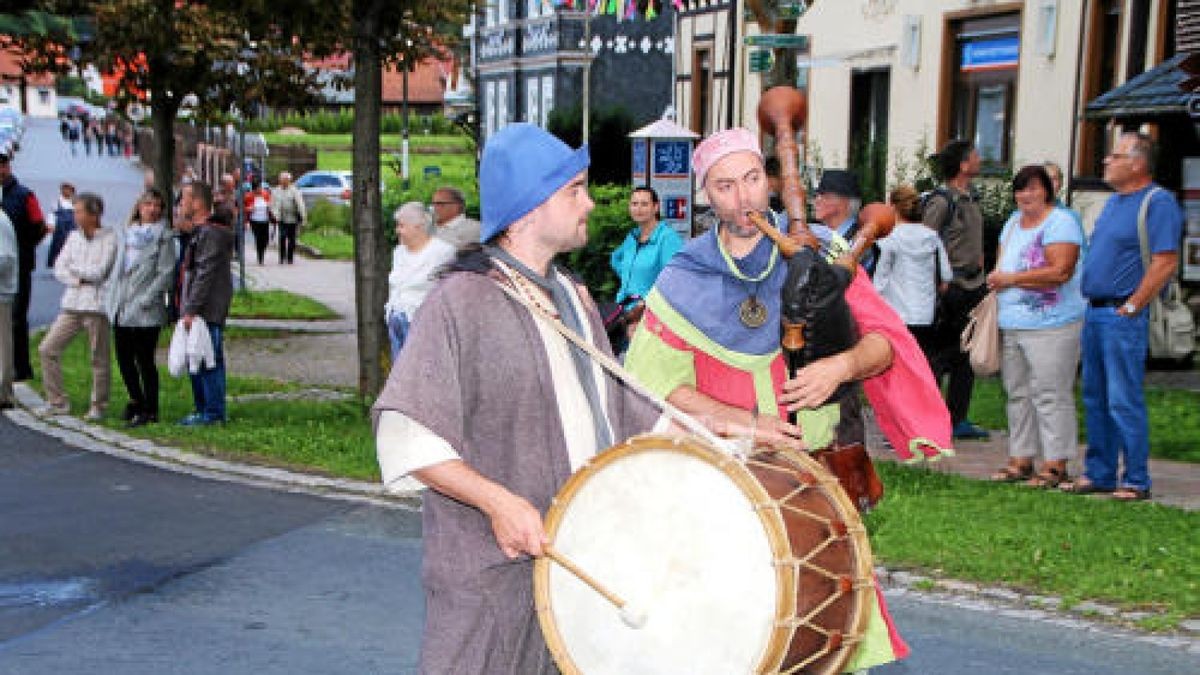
(622, 9)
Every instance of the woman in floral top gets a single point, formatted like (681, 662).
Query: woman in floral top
(1040, 316)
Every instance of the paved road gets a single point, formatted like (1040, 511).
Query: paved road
(111, 567)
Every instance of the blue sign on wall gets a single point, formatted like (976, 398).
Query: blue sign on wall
(639, 156)
(672, 158)
(994, 54)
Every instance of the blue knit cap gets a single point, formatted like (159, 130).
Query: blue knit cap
(522, 166)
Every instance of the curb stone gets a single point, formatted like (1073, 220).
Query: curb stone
(75, 431)
(1087, 615)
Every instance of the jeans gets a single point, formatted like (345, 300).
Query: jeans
(397, 325)
(1114, 365)
(208, 385)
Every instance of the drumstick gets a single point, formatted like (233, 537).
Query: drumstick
(631, 615)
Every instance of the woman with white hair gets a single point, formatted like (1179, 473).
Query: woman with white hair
(415, 260)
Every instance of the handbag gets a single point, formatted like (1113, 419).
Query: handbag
(1172, 327)
(981, 338)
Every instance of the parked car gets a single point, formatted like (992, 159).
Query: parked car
(331, 186)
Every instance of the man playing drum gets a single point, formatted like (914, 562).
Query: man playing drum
(494, 410)
(709, 342)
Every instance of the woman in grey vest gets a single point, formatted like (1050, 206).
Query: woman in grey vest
(136, 302)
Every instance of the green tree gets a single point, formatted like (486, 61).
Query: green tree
(222, 51)
(377, 33)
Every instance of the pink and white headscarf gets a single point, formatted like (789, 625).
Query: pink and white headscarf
(720, 144)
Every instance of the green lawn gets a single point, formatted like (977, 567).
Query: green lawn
(1136, 555)
(332, 244)
(329, 438)
(457, 169)
(417, 142)
(277, 304)
(1174, 417)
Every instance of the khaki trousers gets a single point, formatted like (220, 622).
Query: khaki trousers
(7, 370)
(65, 327)
(1038, 370)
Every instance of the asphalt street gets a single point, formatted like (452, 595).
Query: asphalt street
(113, 567)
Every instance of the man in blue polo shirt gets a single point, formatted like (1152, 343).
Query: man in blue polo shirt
(1115, 328)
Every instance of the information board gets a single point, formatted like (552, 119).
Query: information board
(672, 158)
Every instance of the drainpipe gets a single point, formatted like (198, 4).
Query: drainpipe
(732, 68)
(1076, 114)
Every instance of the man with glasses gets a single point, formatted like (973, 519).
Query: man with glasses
(453, 226)
(1118, 287)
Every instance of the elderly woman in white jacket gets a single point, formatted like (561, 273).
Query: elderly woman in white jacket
(415, 261)
(83, 267)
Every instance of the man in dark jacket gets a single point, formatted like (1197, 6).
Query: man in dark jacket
(21, 206)
(206, 293)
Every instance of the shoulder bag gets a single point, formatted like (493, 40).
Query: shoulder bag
(1172, 327)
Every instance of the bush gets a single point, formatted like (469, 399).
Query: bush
(327, 217)
(342, 122)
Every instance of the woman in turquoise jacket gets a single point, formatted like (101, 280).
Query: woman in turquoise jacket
(645, 251)
(640, 257)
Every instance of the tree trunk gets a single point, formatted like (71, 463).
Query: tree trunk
(370, 250)
(162, 117)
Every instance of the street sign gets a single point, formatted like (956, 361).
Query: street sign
(761, 61)
(791, 9)
(777, 41)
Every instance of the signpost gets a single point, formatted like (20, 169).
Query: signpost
(761, 61)
(777, 41)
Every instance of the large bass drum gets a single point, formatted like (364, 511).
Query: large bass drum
(755, 566)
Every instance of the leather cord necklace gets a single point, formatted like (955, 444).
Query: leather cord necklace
(751, 311)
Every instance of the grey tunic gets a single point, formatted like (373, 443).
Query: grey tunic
(474, 372)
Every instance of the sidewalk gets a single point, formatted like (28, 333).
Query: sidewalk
(318, 353)
(1175, 483)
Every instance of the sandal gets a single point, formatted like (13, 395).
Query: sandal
(1013, 473)
(1083, 486)
(1128, 494)
(1049, 477)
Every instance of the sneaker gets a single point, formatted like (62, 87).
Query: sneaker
(198, 420)
(142, 419)
(50, 409)
(94, 414)
(193, 419)
(968, 430)
(131, 411)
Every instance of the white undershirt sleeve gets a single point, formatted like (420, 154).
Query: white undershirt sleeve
(403, 446)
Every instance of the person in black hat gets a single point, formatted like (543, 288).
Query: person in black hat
(21, 206)
(836, 206)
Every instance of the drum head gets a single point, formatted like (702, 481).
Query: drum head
(671, 526)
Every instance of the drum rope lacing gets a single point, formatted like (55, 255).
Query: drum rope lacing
(617, 370)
